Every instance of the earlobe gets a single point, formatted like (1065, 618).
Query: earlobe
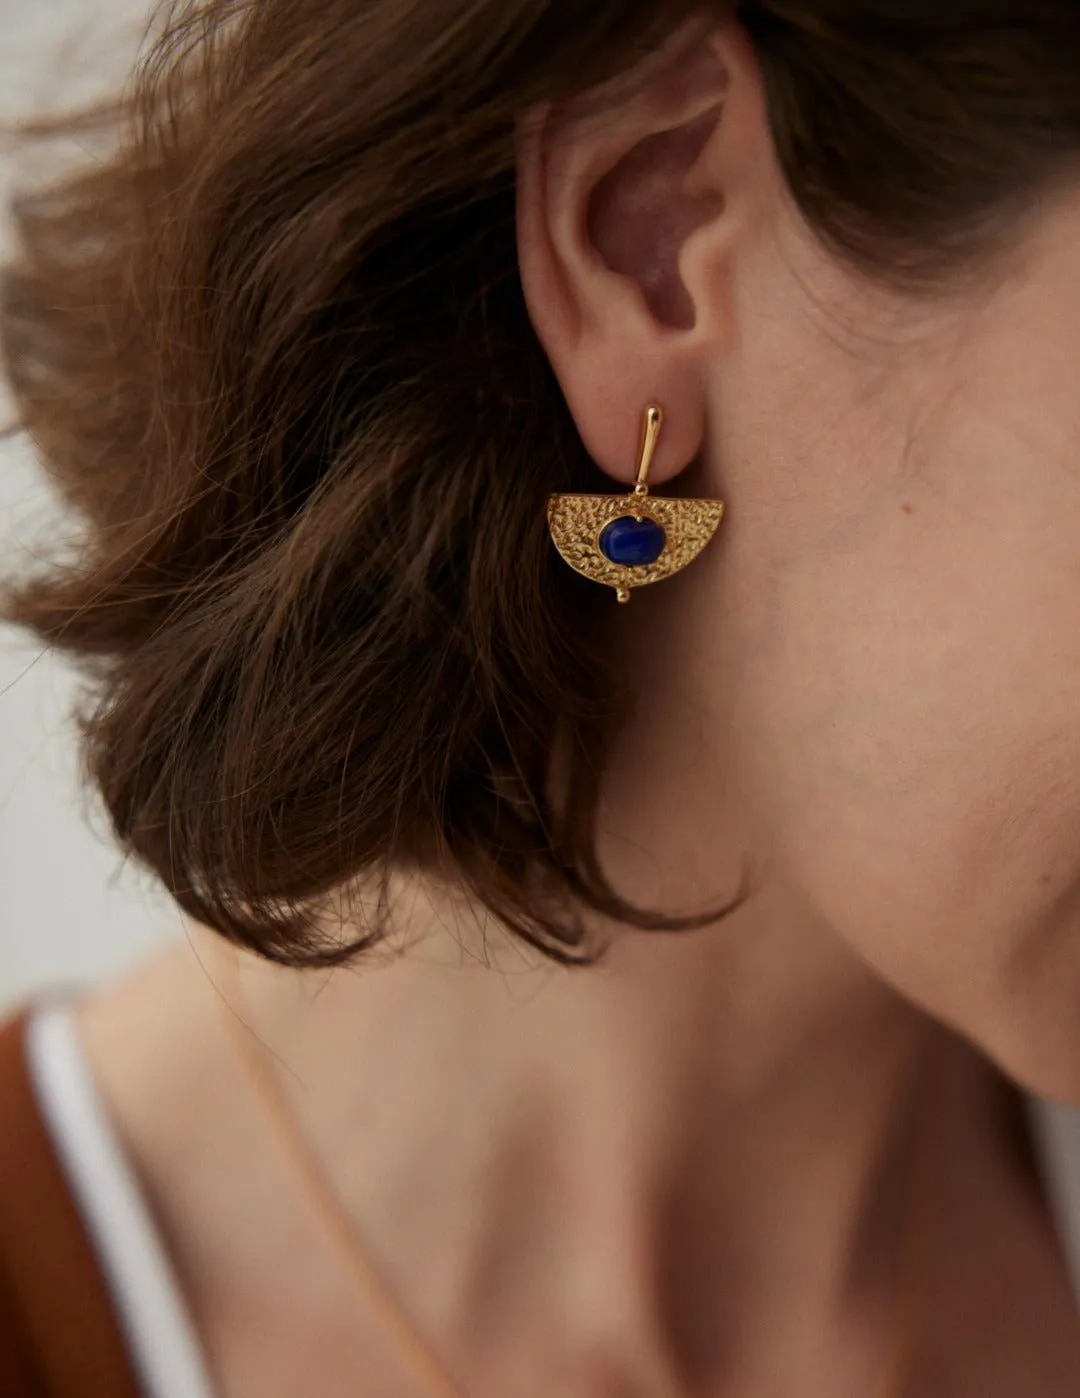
(609, 204)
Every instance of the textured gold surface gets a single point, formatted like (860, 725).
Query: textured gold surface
(577, 520)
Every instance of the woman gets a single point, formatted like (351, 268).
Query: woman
(661, 999)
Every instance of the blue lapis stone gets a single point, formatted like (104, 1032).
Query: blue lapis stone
(633, 543)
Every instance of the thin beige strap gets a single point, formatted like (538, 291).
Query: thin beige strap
(339, 1228)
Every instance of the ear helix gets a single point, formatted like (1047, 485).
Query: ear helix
(628, 541)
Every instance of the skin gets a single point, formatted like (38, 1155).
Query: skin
(689, 1171)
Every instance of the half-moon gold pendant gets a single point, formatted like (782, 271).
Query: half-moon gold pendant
(628, 541)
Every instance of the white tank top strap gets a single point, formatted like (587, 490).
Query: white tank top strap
(1055, 1129)
(160, 1338)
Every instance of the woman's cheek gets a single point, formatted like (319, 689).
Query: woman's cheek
(924, 763)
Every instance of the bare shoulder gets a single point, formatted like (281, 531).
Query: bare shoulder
(161, 1057)
(151, 1037)
(248, 1255)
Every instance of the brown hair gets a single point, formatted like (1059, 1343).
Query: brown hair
(275, 352)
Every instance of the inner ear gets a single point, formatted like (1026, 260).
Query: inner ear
(642, 212)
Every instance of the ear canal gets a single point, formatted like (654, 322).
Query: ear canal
(642, 212)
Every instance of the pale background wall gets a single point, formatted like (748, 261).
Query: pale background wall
(69, 911)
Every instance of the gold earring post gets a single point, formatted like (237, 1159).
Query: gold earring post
(654, 421)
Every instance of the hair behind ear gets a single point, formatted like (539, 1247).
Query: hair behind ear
(276, 354)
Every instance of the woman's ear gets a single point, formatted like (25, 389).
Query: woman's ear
(631, 207)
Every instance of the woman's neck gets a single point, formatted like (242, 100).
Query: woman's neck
(600, 1154)
(687, 1166)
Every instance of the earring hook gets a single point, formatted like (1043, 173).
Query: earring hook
(654, 422)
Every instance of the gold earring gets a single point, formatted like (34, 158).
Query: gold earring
(628, 541)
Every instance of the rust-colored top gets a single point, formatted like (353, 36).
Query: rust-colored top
(59, 1334)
